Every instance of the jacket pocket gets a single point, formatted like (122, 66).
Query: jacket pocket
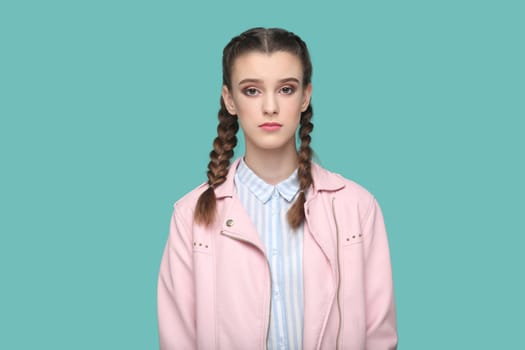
(205, 295)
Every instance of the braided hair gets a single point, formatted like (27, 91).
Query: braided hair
(265, 40)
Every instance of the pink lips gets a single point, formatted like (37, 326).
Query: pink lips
(270, 126)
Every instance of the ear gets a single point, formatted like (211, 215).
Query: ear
(228, 100)
(307, 94)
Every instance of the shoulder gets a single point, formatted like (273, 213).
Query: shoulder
(188, 202)
(346, 190)
(326, 180)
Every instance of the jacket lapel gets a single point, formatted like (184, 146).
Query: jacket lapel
(235, 221)
(237, 225)
(320, 266)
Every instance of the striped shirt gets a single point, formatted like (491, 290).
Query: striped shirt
(267, 206)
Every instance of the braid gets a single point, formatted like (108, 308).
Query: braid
(304, 171)
(220, 156)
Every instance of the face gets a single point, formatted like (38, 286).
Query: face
(268, 96)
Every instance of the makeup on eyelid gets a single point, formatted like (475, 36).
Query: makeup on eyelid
(253, 91)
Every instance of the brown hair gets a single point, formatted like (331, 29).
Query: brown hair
(265, 40)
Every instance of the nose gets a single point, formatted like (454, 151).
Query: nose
(270, 105)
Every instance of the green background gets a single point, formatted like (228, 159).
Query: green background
(107, 114)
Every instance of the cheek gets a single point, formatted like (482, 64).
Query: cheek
(292, 108)
(246, 108)
(293, 102)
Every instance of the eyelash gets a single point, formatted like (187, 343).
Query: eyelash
(291, 88)
(251, 91)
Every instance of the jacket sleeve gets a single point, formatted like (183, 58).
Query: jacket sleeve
(175, 290)
(381, 325)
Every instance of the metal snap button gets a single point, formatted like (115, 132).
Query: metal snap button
(229, 222)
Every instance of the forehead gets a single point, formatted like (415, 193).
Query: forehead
(263, 66)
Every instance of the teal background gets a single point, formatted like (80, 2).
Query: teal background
(107, 114)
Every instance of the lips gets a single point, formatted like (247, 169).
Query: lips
(270, 126)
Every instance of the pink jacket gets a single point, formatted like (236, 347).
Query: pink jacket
(214, 283)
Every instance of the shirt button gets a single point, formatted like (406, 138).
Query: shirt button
(282, 343)
(274, 251)
(229, 222)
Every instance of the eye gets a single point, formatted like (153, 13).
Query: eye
(287, 90)
(251, 91)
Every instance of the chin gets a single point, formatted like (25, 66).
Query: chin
(274, 147)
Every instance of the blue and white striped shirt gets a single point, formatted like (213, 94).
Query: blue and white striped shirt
(267, 206)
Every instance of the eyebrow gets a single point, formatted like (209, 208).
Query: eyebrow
(258, 81)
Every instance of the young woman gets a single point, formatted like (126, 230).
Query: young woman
(274, 251)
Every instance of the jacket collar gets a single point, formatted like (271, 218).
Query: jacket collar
(324, 180)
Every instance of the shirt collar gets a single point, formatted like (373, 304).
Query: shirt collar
(324, 180)
(287, 188)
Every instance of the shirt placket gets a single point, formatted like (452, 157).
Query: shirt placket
(276, 257)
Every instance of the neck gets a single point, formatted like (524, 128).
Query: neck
(273, 166)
